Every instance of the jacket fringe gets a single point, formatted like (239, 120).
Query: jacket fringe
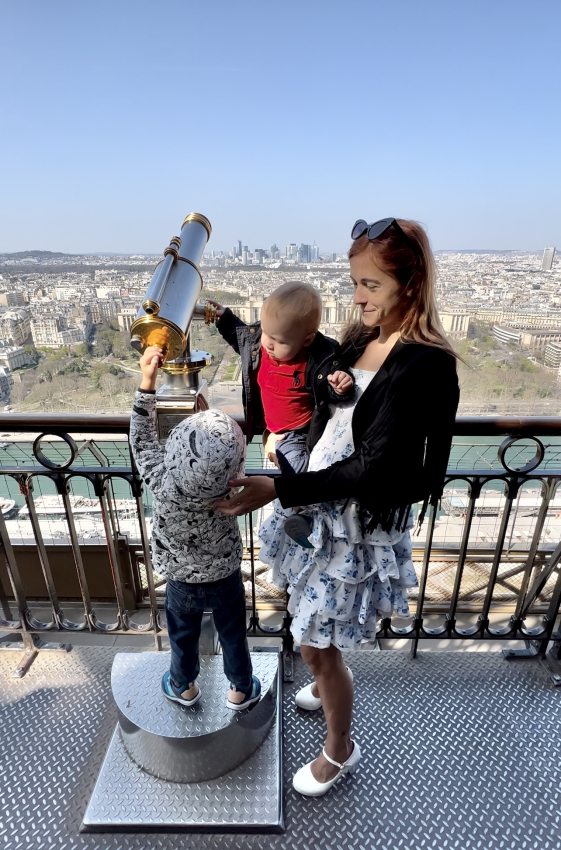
(397, 518)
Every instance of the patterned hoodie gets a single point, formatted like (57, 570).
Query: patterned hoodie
(191, 541)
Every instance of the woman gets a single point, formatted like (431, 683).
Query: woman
(371, 459)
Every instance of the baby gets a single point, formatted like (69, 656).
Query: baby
(197, 549)
(282, 357)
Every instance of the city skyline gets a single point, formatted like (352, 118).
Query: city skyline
(554, 257)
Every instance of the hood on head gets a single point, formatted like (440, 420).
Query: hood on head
(204, 452)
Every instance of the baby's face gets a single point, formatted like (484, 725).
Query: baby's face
(283, 338)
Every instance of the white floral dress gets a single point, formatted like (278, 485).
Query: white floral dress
(350, 579)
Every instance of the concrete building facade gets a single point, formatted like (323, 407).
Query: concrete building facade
(15, 325)
(456, 325)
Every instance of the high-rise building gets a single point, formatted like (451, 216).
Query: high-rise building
(291, 251)
(244, 255)
(547, 261)
(315, 253)
(304, 252)
(239, 248)
(273, 250)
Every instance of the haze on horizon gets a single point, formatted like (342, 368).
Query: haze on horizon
(280, 124)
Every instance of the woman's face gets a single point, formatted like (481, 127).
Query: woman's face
(377, 294)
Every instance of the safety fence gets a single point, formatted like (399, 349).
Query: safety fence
(75, 528)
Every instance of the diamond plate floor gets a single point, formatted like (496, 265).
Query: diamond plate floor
(461, 751)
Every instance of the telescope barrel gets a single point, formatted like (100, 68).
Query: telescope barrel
(171, 299)
(151, 303)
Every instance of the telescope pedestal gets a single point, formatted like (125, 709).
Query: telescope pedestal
(183, 393)
(205, 768)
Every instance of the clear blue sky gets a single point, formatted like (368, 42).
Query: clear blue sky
(279, 121)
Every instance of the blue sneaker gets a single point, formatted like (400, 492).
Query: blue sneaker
(250, 697)
(187, 696)
(299, 528)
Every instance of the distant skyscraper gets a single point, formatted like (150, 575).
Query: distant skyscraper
(547, 261)
(239, 248)
(304, 252)
(244, 255)
(315, 252)
(273, 250)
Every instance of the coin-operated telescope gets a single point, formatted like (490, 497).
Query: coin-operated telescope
(168, 308)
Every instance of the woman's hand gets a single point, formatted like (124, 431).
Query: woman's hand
(149, 363)
(258, 490)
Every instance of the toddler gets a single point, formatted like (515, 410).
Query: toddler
(197, 549)
(282, 356)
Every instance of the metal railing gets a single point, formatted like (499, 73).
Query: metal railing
(82, 534)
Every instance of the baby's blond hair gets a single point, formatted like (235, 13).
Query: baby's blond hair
(298, 301)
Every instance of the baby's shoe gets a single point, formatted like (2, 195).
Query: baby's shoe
(251, 696)
(187, 696)
(299, 528)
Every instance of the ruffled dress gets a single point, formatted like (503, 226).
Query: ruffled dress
(351, 578)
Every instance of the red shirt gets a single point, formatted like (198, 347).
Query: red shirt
(286, 401)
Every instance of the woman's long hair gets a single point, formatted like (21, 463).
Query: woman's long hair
(411, 263)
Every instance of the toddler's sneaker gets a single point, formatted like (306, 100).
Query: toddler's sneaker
(299, 528)
(188, 696)
(254, 695)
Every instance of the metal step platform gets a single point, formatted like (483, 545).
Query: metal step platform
(169, 767)
(460, 751)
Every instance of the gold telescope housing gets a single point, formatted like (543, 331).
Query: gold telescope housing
(171, 300)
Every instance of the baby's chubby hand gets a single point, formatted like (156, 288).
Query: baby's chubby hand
(218, 307)
(149, 364)
(340, 381)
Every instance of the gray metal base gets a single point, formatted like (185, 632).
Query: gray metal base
(247, 799)
(461, 751)
(190, 744)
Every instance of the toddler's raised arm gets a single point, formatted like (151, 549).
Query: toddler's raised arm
(145, 447)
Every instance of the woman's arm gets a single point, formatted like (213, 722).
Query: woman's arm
(424, 399)
(420, 399)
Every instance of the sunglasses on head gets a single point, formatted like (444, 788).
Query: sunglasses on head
(375, 230)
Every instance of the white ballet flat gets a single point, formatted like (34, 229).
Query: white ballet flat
(305, 783)
(305, 698)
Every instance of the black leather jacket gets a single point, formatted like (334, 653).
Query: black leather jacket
(402, 430)
(246, 340)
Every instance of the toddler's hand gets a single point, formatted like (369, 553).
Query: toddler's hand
(340, 381)
(271, 447)
(149, 363)
(218, 307)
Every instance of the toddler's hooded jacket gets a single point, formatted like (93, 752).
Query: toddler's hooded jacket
(191, 541)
